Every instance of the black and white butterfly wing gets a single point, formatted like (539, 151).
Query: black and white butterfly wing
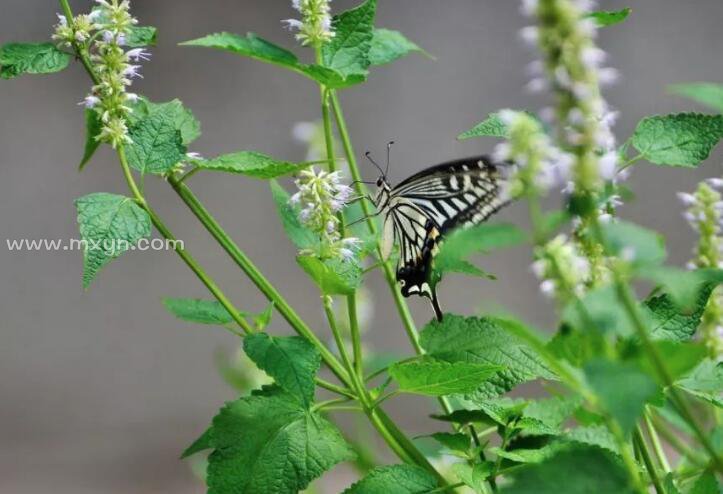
(422, 209)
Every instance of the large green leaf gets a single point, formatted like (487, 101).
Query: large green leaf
(481, 341)
(454, 251)
(598, 310)
(633, 243)
(271, 442)
(251, 164)
(157, 144)
(348, 51)
(622, 388)
(432, 377)
(395, 479)
(707, 484)
(258, 48)
(109, 224)
(31, 58)
(302, 237)
(292, 361)
(671, 322)
(705, 382)
(705, 93)
(573, 470)
(174, 111)
(388, 45)
(683, 139)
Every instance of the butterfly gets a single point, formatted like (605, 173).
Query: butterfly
(420, 211)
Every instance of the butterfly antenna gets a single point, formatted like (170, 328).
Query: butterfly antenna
(369, 157)
(389, 151)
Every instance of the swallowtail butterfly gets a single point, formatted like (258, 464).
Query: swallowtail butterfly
(420, 211)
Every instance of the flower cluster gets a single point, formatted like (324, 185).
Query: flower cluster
(101, 35)
(315, 24)
(572, 67)
(321, 196)
(541, 165)
(563, 271)
(704, 213)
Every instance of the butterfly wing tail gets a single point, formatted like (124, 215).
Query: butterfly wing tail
(435, 304)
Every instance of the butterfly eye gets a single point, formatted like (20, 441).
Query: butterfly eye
(402, 283)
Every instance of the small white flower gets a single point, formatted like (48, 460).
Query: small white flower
(608, 165)
(627, 254)
(593, 57)
(529, 7)
(530, 35)
(548, 287)
(62, 20)
(537, 85)
(605, 218)
(716, 183)
(90, 101)
(539, 267)
(501, 152)
(132, 71)
(686, 198)
(137, 54)
(607, 76)
(292, 24)
(194, 155)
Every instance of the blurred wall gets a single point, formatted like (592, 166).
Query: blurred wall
(101, 390)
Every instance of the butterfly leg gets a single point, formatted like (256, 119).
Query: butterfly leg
(435, 304)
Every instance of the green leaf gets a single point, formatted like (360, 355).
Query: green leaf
(679, 357)
(93, 127)
(457, 441)
(606, 18)
(395, 479)
(683, 286)
(292, 361)
(183, 119)
(705, 93)
(474, 476)
(109, 225)
(332, 276)
(683, 139)
(594, 435)
(454, 251)
(348, 51)
(482, 341)
(302, 237)
(262, 319)
(633, 243)
(669, 484)
(251, 164)
(432, 377)
(705, 382)
(198, 311)
(31, 58)
(258, 48)
(140, 36)
(553, 411)
(584, 470)
(706, 484)
(157, 144)
(271, 442)
(201, 444)
(669, 321)
(531, 455)
(622, 388)
(492, 126)
(388, 46)
(598, 310)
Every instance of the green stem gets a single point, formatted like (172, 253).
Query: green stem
(678, 444)
(642, 447)
(657, 446)
(355, 335)
(389, 275)
(248, 267)
(80, 50)
(392, 435)
(334, 388)
(182, 253)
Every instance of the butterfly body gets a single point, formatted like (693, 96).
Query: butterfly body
(421, 210)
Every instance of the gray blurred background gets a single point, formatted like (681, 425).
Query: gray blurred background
(101, 390)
